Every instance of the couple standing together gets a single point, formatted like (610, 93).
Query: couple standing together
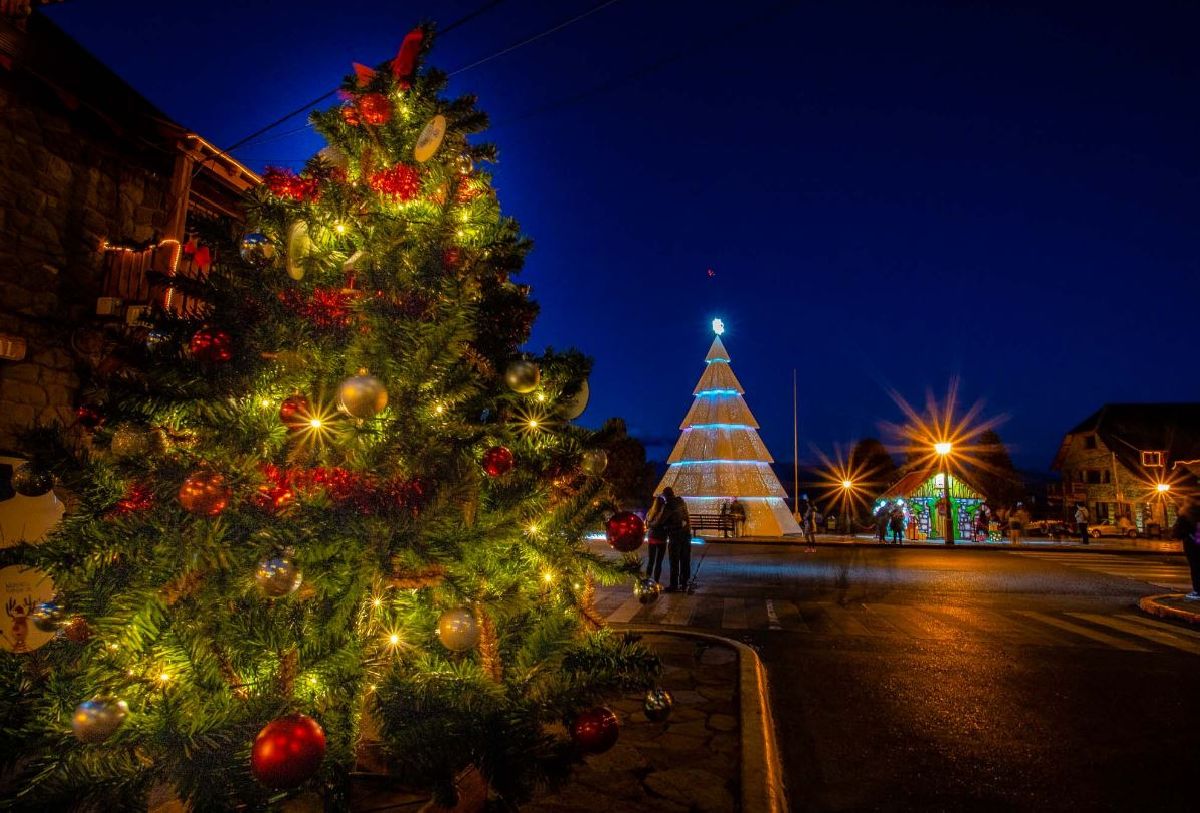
(670, 533)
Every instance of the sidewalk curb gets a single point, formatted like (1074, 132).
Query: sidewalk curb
(1001, 547)
(762, 771)
(1153, 605)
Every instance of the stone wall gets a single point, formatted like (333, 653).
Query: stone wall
(67, 182)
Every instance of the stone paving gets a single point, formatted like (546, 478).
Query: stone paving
(688, 764)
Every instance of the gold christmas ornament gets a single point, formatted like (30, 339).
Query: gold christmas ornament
(98, 719)
(647, 590)
(458, 630)
(130, 441)
(593, 462)
(257, 249)
(362, 396)
(522, 376)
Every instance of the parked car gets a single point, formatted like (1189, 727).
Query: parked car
(1111, 529)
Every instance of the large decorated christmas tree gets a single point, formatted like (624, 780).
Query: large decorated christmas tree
(719, 454)
(333, 507)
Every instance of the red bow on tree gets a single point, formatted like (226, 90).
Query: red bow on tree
(405, 63)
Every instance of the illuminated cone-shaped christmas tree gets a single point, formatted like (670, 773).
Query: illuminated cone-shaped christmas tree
(719, 455)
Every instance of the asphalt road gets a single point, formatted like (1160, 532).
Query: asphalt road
(941, 679)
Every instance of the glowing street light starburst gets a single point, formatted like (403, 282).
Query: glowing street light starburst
(848, 484)
(943, 436)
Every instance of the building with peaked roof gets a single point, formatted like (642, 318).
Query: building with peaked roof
(1124, 460)
(100, 194)
(922, 496)
(719, 454)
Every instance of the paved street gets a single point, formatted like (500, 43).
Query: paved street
(943, 679)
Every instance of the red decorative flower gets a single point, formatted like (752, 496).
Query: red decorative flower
(402, 182)
(284, 183)
(350, 115)
(327, 308)
(376, 109)
(138, 497)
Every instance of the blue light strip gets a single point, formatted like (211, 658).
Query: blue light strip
(717, 392)
(719, 426)
(720, 462)
(710, 361)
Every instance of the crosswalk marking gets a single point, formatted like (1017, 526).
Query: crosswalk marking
(1167, 575)
(1159, 635)
(920, 622)
(772, 618)
(1086, 632)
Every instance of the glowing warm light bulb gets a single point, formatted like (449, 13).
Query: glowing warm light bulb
(847, 484)
(533, 424)
(316, 423)
(1163, 488)
(718, 326)
(547, 576)
(265, 402)
(377, 602)
(339, 227)
(164, 677)
(943, 448)
(541, 396)
(439, 409)
(394, 639)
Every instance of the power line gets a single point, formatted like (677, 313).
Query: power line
(555, 28)
(600, 6)
(460, 21)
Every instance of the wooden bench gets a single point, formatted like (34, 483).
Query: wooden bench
(723, 524)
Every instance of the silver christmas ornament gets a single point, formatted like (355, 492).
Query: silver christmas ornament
(278, 576)
(593, 462)
(647, 590)
(571, 408)
(335, 156)
(458, 630)
(98, 719)
(522, 376)
(658, 704)
(48, 616)
(257, 249)
(362, 396)
(29, 480)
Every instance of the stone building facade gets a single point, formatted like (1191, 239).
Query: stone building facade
(85, 163)
(1130, 462)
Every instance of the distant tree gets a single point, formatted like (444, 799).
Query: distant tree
(993, 472)
(628, 474)
(870, 457)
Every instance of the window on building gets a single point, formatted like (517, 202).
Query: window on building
(1106, 476)
(1089, 442)
(1151, 459)
(1093, 476)
(1102, 512)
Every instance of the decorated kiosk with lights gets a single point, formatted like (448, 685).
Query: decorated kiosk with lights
(922, 496)
(719, 454)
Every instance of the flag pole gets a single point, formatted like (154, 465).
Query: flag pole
(795, 450)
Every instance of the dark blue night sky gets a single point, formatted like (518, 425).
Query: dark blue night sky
(890, 193)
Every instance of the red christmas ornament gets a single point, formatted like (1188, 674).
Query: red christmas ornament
(327, 308)
(451, 258)
(274, 498)
(138, 497)
(211, 346)
(497, 461)
(375, 108)
(350, 115)
(404, 66)
(77, 630)
(204, 493)
(401, 182)
(625, 531)
(287, 751)
(89, 416)
(595, 731)
(285, 183)
(467, 191)
(295, 412)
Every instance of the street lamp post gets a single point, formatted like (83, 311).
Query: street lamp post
(847, 487)
(943, 450)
